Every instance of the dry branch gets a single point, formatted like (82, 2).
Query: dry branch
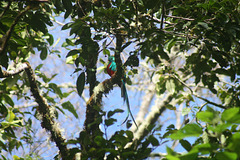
(152, 117)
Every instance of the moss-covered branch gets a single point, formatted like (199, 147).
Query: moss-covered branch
(4, 74)
(46, 114)
(45, 111)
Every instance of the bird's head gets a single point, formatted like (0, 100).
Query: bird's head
(111, 58)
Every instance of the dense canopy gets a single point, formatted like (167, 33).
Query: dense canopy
(180, 60)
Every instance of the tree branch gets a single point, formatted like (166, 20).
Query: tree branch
(46, 112)
(104, 87)
(91, 124)
(146, 101)
(163, 14)
(119, 41)
(19, 69)
(93, 120)
(149, 120)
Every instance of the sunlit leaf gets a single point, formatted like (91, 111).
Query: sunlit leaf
(189, 130)
(170, 86)
(206, 116)
(231, 115)
(10, 117)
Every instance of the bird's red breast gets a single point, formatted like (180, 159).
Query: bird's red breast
(109, 71)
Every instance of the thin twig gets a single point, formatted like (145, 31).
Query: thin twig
(187, 19)
(163, 14)
(107, 44)
(53, 19)
(193, 93)
(156, 19)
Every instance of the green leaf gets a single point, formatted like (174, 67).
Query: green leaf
(185, 144)
(68, 105)
(50, 39)
(16, 123)
(129, 134)
(69, 42)
(231, 115)
(171, 152)
(67, 25)
(39, 67)
(68, 6)
(206, 116)
(185, 111)
(126, 45)
(104, 44)
(153, 140)
(3, 146)
(73, 52)
(110, 121)
(219, 128)
(132, 61)
(170, 85)
(226, 155)
(8, 100)
(111, 113)
(203, 24)
(189, 130)
(170, 44)
(10, 117)
(43, 54)
(192, 155)
(80, 83)
(234, 144)
(106, 52)
(72, 141)
(56, 89)
(202, 148)
(100, 141)
(37, 23)
(170, 157)
(163, 54)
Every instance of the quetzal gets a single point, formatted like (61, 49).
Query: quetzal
(111, 70)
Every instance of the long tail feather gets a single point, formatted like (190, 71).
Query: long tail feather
(125, 99)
